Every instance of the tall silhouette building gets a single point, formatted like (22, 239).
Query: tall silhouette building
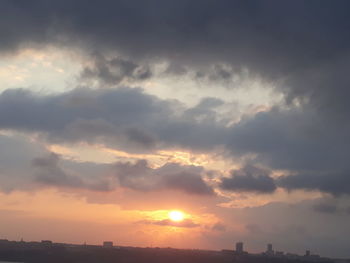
(239, 247)
(269, 250)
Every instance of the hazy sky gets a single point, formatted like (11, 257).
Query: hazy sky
(114, 113)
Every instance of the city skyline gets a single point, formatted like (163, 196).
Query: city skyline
(239, 248)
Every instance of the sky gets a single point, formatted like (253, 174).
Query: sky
(235, 113)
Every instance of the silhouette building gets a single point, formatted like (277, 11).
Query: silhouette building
(269, 250)
(46, 243)
(239, 247)
(108, 244)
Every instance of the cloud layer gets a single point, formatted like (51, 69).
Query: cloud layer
(249, 179)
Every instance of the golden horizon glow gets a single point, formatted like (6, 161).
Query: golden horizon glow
(176, 216)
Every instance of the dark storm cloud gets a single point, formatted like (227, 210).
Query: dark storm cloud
(301, 141)
(124, 118)
(129, 119)
(171, 176)
(289, 139)
(335, 183)
(269, 37)
(304, 45)
(249, 179)
(292, 139)
(251, 33)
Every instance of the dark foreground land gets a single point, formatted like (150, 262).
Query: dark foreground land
(64, 253)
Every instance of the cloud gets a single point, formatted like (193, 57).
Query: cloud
(125, 118)
(130, 120)
(22, 169)
(28, 166)
(329, 182)
(171, 176)
(306, 135)
(15, 162)
(50, 173)
(113, 71)
(249, 179)
(292, 139)
(278, 44)
(325, 208)
(187, 223)
(311, 149)
(219, 227)
(226, 29)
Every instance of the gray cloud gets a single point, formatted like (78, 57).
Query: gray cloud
(249, 179)
(313, 149)
(325, 208)
(125, 118)
(171, 176)
(225, 28)
(278, 45)
(335, 183)
(16, 155)
(290, 139)
(114, 71)
(128, 119)
(22, 169)
(48, 172)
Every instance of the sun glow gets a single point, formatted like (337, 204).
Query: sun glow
(176, 216)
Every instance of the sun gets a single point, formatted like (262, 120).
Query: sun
(176, 216)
